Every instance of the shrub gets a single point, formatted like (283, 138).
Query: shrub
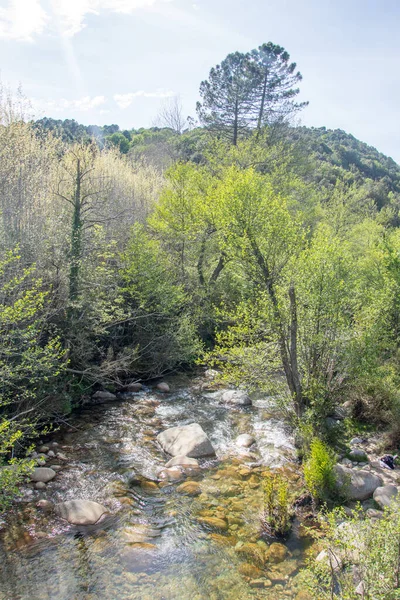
(364, 557)
(318, 471)
(276, 506)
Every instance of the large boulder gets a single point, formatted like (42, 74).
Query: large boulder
(42, 475)
(358, 455)
(80, 512)
(384, 495)
(188, 440)
(356, 485)
(236, 397)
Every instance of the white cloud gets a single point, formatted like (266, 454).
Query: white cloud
(80, 104)
(125, 100)
(22, 20)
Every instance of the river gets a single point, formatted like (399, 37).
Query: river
(155, 545)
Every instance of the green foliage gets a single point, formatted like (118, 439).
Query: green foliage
(276, 506)
(157, 329)
(31, 360)
(318, 471)
(360, 550)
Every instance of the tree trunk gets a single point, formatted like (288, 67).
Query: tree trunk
(76, 238)
(288, 356)
(263, 97)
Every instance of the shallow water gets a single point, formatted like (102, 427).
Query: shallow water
(153, 545)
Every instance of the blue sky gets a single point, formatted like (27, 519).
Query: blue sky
(117, 61)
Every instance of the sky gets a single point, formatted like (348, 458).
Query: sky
(118, 61)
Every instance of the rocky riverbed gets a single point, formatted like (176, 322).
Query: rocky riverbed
(163, 530)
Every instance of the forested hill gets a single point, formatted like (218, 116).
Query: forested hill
(341, 149)
(336, 148)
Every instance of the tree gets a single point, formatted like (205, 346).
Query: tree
(275, 80)
(227, 97)
(248, 91)
(171, 115)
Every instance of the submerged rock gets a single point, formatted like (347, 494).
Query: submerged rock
(188, 440)
(42, 475)
(182, 461)
(80, 512)
(213, 522)
(236, 397)
(190, 488)
(356, 485)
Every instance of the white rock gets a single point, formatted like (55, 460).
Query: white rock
(384, 495)
(245, 440)
(80, 512)
(40, 485)
(42, 474)
(51, 454)
(236, 397)
(357, 485)
(355, 441)
(188, 440)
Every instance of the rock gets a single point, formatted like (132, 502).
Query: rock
(80, 512)
(45, 505)
(249, 570)
(245, 440)
(188, 440)
(102, 396)
(172, 474)
(51, 454)
(149, 486)
(42, 474)
(360, 589)
(251, 552)
(329, 558)
(355, 441)
(356, 485)
(40, 485)
(183, 461)
(213, 522)
(56, 467)
(236, 397)
(347, 462)
(134, 387)
(340, 413)
(372, 513)
(331, 423)
(189, 488)
(358, 455)
(277, 552)
(211, 373)
(384, 495)
(61, 456)
(43, 449)
(163, 387)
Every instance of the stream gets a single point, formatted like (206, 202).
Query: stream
(157, 544)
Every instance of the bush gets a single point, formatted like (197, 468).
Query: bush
(276, 506)
(318, 471)
(364, 556)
